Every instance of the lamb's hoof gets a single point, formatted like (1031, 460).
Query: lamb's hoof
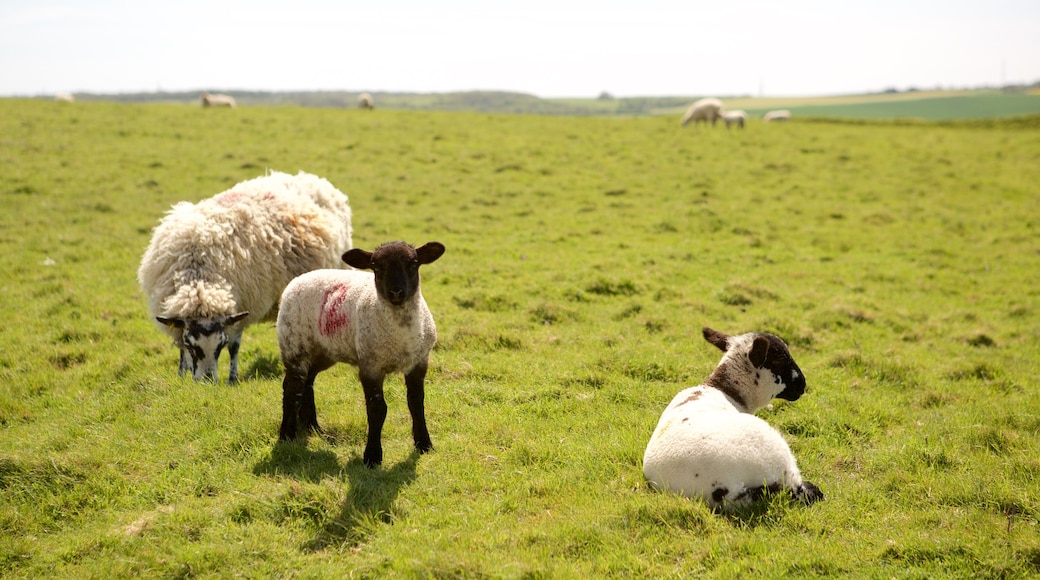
(373, 457)
(809, 493)
(424, 446)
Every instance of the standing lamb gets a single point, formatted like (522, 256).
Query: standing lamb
(708, 444)
(707, 109)
(377, 322)
(217, 266)
(781, 115)
(209, 100)
(738, 117)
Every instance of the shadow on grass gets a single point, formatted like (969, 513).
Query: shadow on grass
(369, 504)
(264, 366)
(370, 495)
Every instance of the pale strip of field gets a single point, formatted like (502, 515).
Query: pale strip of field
(787, 102)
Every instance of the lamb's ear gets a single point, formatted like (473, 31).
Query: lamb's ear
(715, 337)
(429, 252)
(174, 322)
(358, 258)
(759, 350)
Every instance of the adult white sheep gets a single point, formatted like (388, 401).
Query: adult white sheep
(708, 444)
(209, 100)
(217, 266)
(737, 118)
(781, 115)
(378, 322)
(706, 109)
(365, 101)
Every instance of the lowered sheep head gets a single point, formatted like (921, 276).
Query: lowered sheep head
(201, 342)
(396, 267)
(756, 368)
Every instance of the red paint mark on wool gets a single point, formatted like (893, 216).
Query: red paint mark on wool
(228, 199)
(334, 317)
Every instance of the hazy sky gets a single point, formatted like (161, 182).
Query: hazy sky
(547, 48)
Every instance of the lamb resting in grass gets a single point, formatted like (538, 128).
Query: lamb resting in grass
(708, 444)
(378, 322)
(219, 265)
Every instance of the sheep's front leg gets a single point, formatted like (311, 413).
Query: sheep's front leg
(414, 380)
(234, 343)
(186, 367)
(375, 406)
(293, 387)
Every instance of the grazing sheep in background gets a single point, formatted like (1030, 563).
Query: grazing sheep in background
(209, 100)
(365, 101)
(215, 267)
(781, 115)
(708, 444)
(65, 98)
(379, 323)
(731, 117)
(707, 109)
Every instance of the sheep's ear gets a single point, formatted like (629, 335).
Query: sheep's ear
(358, 258)
(429, 252)
(174, 322)
(715, 337)
(235, 318)
(759, 350)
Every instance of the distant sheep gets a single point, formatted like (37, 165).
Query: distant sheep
(379, 323)
(737, 117)
(708, 444)
(781, 115)
(217, 266)
(65, 98)
(209, 100)
(707, 109)
(365, 101)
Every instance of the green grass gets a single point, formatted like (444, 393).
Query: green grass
(584, 255)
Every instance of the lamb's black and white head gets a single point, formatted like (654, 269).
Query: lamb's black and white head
(202, 341)
(764, 357)
(396, 267)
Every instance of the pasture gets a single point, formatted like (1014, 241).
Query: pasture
(583, 257)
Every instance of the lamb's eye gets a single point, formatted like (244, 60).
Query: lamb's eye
(778, 380)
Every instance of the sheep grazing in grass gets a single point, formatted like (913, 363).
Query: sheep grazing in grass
(65, 98)
(707, 109)
(217, 266)
(377, 322)
(708, 444)
(781, 115)
(365, 101)
(737, 118)
(209, 100)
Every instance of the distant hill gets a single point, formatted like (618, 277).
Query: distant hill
(928, 105)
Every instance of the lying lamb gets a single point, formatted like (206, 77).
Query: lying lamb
(377, 322)
(708, 443)
(219, 265)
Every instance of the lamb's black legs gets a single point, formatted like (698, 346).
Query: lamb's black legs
(414, 381)
(298, 408)
(375, 406)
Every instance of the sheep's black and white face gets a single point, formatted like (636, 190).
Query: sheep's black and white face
(786, 375)
(396, 267)
(201, 342)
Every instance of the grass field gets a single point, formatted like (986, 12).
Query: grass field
(583, 257)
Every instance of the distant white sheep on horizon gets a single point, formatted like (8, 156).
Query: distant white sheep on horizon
(780, 115)
(365, 101)
(706, 109)
(736, 117)
(218, 100)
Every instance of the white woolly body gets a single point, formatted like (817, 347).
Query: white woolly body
(236, 251)
(708, 445)
(707, 109)
(336, 315)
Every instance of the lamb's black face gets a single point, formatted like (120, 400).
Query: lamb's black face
(785, 370)
(396, 267)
